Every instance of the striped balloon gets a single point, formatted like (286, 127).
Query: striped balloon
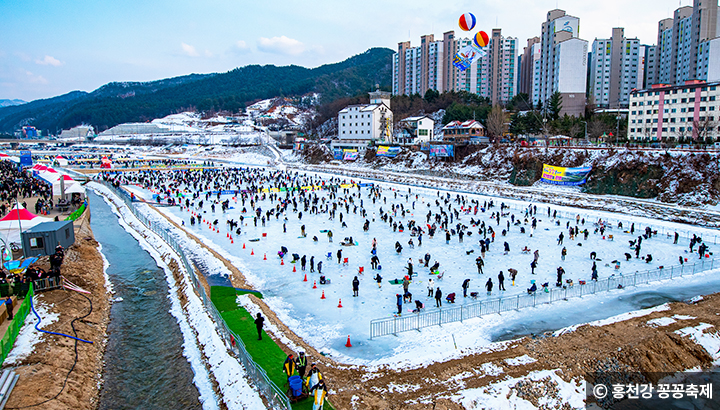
(467, 21)
(481, 39)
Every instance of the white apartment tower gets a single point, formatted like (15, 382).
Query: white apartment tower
(563, 63)
(615, 69)
(429, 67)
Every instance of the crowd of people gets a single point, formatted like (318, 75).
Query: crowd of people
(475, 223)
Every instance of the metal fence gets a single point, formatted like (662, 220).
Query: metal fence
(417, 321)
(275, 396)
(8, 340)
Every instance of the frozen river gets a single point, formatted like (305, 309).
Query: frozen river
(326, 326)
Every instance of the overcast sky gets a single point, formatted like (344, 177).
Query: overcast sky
(51, 47)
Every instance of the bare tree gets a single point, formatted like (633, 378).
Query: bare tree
(703, 127)
(596, 128)
(496, 122)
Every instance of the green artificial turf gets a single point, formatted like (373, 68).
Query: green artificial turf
(266, 353)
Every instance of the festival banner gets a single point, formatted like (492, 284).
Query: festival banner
(385, 151)
(442, 151)
(351, 156)
(467, 56)
(337, 153)
(565, 176)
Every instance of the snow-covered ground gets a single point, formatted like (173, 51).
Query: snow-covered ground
(326, 326)
(203, 348)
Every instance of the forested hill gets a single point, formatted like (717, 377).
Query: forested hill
(117, 103)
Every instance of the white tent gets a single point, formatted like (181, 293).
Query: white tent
(18, 216)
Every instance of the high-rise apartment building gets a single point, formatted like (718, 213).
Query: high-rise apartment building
(615, 69)
(563, 63)
(684, 50)
(528, 60)
(430, 67)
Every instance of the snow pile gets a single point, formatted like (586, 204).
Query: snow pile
(539, 389)
(202, 342)
(29, 336)
(705, 337)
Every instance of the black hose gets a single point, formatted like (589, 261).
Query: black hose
(72, 325)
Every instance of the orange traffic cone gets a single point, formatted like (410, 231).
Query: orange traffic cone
(294, 270)
(264, 256)
(323, 295)
(252, 252)
(231, 240)
(305, 280)
(339, 303)
(282, 262)
(227, 235)
(348, 344)
(243, 245)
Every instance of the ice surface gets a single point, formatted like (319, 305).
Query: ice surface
(326, 327)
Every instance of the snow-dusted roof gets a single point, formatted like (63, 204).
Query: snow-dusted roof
(416, 118)
(463, 125)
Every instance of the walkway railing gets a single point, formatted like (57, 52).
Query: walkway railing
(7, 342)
(275, 396)
(417, 321)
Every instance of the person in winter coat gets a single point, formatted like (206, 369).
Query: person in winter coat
(536, 256)
(431, 288)
(427, 259)
(303, 261)
(513, 275)
(374, 262)
(356, 286)
(330, 236)
(489, 285)
(259, 320)
(312, 264)
(301, 363)
(410, 267)
(479, 263)
(501, 281)
(318, 394)
(378, 279)
(399, 302)
(447, 237)
(314, 377)
(533, 265)
(406, 284)
(563, 253)
(438, 297)
(560, 273)
(339, 255)
(289, 365)
(465, 286)
(507, 248)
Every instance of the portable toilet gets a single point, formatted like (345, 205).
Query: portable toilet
(41, 239)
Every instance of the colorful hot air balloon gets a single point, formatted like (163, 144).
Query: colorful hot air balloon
(467, 21)
(481, 39)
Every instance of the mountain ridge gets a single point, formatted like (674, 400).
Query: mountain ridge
(119, 102)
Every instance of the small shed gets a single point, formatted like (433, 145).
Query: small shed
(42, 238)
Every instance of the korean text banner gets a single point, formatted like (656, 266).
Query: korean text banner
(565, 176)
(385, 151)
(442, 151)
(337, 154)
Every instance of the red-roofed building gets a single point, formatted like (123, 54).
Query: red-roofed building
(469, 131)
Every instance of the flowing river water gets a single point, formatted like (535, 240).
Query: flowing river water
(144, 364)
